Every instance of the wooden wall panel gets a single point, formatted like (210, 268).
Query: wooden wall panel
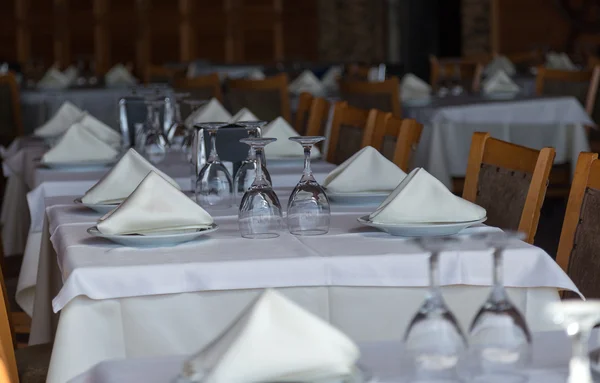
(40, 24)
(8, 30)
(121, 32)
(81, 22)
(300, 24)
(164, 22)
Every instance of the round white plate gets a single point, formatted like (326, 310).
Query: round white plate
(373, 198)
(417, 101)
(420, 229)
(136, 240)
(501, 95)
(87, 165)
(99, 207)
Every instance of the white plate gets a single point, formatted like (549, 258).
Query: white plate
(501, 95)
(85, 165)
(135, 240)
(420, 229)
(373, 198)
(99, 207)
(417, 101)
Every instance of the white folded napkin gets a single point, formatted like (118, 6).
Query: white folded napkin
(559, 61)
(306, 82)
(100, 130)
(53, 79)
(421, 198)
(500, 63)
(366, 171)
(256, 74)
(155, 206)
(70, 74)
(331, 77)
(122, 179)
(212, 111)
(79, 145)
(283, 147)
(119, 75)
(500, 82)
(413, 88)
(243, 115)
(274, 340)
(65, 116)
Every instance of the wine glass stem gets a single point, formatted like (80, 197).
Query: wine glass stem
(213, 156)
(177, 113)
(307, 169)
(260, 177)
(434, 278)
(498, 291)
(579, 366)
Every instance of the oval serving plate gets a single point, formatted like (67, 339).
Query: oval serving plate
(98, 207)
(78, 166)
(420, 229)
(154, 240)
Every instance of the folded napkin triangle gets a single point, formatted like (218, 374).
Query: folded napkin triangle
(306, 82)
(65, 116)
(331, 77)
(256, 75)
(70, 74)
(560, 61)
(283, 147)
(500, 82)
(122, 179)
(212, 111)
(155, 206)
(366, 171)
(274, 340)
(500, 63)
(243, 115)
(421, 198)
(100, 130)
(53, 79)
(119, 75)
(79, 145)
(412, 88)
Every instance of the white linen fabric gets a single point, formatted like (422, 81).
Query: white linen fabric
(122, 179)
(119, 75)
(99, 129)
(155, 206)
(53, 79)
(256, 74)
(79, 145)
(307, 82)
(67, 115)
(284, 148)
(366, 171)
(243, 115)
(559, 61)
(500, 82)
(213, 111)
(500, 63)
(331, 77)
(274, 340)
(420, 198)
(413, 88)
(70, 74)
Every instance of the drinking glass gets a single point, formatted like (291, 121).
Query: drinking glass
(178, 131)
(260, 211)
(578, 318)
(434, 342)
(308, 211)
(155, 142)
(189, 146)
(214, 187)
(245, 175)
(499, 339)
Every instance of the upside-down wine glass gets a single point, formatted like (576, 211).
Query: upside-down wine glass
(190, 145)
(260, 211)
(155, 142)
(177, 131)
(214, 187)
(434, 342)
(499, 339)
(308, 211)
(245, 175)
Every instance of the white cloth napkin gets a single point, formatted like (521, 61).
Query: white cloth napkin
(100, 130)
(500, 82)
(243, 115)
(65, 116)
(79, 145)
(306, 82)
(331, 77)
(70, 74)
(366, 171)
(119, 75)
(559, 61)
(155, 206)
(212, 111)
(53, 79)
(274, 340)
(256, 75)
(413, 88)
(283, 147)
(421, 198)
(500, 63)
(122, 179)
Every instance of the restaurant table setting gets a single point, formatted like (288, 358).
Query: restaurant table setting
(414, 91)
(211, 111)
(119, 76)
(499, 86)
(59, 123)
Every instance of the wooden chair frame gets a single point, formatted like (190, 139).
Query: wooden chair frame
(278, 82)
(208, 81)
(343, 114)
(390, 87)
(408, 134)
(10, 79)
(304, 104)
(162, 71)
(319, 112)
(593, 61)
(485, 149)
(437, 63)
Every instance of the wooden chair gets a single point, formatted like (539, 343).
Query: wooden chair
(509, 181)
(529, 58)
(383, 95)
(351, 130)
(201, 87)
(10, 109)
(579, 240)
(4, 377)
(593, 61)
(470, 72)
(580, 84)
(405, 132)
(162, 74)
(359, 72)
(267, 99)
(302, 112)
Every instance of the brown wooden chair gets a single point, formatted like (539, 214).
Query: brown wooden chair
(351, 130)
(593, 61)
(10, 109)
(580, 240)
(357, 72)
(4, 376)
(397, 139)
(302, 112)
(470, 71)
(311, 116)
(529, 58)
(201, 87)
(162, 74)
(383, 95)
(267, 99)
(509, 181)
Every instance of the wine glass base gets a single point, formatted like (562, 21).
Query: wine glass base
(500, 377)
(261, 236)
(309, 232)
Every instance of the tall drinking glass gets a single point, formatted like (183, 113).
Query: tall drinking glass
(260, 211)
(190, 144)
(214, 187)
(177, 130)
(245, 175)
(155, 142)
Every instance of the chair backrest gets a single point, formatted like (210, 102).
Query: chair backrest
(383, 95)
(580, 237)
(509, 181)
(267, 99)
(358, 72)
(4, 377)
(470, 71)
(302, 112)
(201, 87)
(7, 340)
(593, 61)
(397, 138)
(580, 84)
(351, 130)
(161, 74)
(10, 108)
(529, 58)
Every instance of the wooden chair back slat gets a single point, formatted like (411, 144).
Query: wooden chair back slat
(407, 133)
(210, 82)
(317, 117)
(388, 90)
(302, 112)
(275, 83)
(345, 115)
(591, 77)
